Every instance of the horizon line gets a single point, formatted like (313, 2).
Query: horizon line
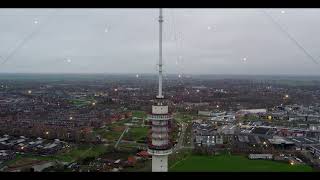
(189, 74)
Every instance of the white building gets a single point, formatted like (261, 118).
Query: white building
(260, 156)
(253, 111)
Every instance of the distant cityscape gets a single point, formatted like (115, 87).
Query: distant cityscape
(65, 106)
(100, 122)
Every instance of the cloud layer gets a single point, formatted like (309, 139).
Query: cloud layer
(210, 41)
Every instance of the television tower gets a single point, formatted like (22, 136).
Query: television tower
(160, 145)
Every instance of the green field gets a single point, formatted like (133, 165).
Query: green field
(75, 154)
(82, 152)
(109, 133)
(233, 163)
(80, 102)
(180, 117)
(136, 133)
(139, 114)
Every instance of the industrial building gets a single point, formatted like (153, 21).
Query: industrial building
(281, 142)
(206, 135)
(260, 156)
(252, 111)
(315, 150)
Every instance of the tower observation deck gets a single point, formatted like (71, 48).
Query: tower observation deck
(160, 145)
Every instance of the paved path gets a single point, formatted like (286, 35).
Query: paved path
(125, 131)
(179, 145)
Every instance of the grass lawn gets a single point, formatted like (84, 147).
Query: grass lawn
(182, 117)
(128, 147)
(136, 133)
(111, 135)
(233, 163)
(18, 161)
(112, 132)
(139, 114)
(77, 153)
(80, 102)
(83, 152)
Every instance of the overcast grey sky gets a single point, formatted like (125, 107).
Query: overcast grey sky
(196, 41)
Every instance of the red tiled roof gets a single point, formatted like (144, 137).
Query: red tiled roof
(131, 159)
(143, 153)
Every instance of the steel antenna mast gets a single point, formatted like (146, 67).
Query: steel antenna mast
(160, 55)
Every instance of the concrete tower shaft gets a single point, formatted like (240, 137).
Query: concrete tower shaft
(160, 146)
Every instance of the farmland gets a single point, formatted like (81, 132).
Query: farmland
(232, 163)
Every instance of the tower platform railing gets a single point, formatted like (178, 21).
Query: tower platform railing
(159, 152)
